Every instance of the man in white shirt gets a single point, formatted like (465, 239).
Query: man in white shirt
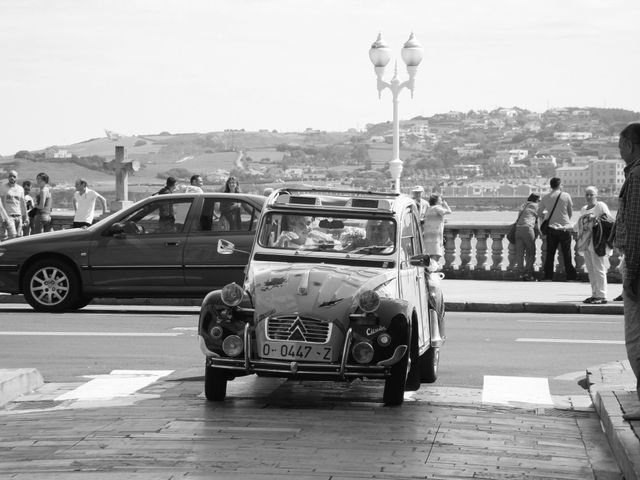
(84, 204)
(196, 185)
(15, 207)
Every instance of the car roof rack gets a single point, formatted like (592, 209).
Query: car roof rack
(328, 198)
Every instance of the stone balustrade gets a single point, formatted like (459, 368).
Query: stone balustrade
(478, 251)
(467, 247)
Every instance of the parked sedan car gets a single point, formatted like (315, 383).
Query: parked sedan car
(162, 246)
(338, 287)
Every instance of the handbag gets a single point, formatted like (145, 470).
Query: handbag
(511, 234)
(544, 226)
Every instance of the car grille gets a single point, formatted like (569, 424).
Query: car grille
(296, 328)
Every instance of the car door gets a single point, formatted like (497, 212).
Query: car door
(205, 268)
(147, 256)
(412, 280)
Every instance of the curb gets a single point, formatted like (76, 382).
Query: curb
(535, 307)
(609, 386)
(16, 382)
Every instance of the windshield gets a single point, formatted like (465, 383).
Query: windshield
(349, 234)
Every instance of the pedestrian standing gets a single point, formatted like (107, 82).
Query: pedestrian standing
(167, 219)
(195, 186)
(14, 205)
(434, 226)
(7, 228)
(557, 208)
(28, 200)
(590, 218)
(526, 233)
(84, 204)
(44, 202)
(626, 237)
(230, 210)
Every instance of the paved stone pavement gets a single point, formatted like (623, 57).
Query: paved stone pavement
(612, 385)
(273, 429)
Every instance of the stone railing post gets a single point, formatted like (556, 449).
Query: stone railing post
(497, 251)
(449, 249)
(481, 249)
(465, 249)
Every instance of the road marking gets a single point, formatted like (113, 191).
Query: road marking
(516, 391)
(119, 383)
(90, 334)
(556, 321)
(570, 340)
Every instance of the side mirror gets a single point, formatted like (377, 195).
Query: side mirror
(424, 260)
(116, 230)
(225, 247)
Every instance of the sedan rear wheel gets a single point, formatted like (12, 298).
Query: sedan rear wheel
(51, 286)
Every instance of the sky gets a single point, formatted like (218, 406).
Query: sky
(71, 68)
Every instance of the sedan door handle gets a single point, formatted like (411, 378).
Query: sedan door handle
(171, 244)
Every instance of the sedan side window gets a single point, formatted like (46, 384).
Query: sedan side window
(224, 215)
(159, 217)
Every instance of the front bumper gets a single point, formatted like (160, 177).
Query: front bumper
(284, 368)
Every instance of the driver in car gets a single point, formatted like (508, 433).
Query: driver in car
(295, 230)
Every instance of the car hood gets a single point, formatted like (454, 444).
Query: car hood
(325, 292)
(47, 237)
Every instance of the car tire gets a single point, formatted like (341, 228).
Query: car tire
(82, 302)
(414, 377)
(429, 362)
(51, 286)
(215, 384)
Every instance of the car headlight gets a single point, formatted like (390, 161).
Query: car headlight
(369, 301)
(362, 352)
(232, 294)
(232, 346)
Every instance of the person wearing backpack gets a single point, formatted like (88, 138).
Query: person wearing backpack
(589, 222)
(556, 208)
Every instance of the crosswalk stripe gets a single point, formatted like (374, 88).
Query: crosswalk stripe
(119, 383)
(515, 391)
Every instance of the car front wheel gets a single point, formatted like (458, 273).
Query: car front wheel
(51, 286)
(215, 384)
(429, 365)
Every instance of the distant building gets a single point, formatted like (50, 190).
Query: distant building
(572, 135)
(57, 153)
(607, 175)
(542, 160)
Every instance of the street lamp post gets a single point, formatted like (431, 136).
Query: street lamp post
(380, 54)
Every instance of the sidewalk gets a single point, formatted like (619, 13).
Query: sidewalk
(611, 386)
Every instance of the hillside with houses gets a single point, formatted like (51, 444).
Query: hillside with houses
(503, 152)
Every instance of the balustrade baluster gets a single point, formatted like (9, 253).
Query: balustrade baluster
(481, 249)
(497, 250)
(449, 249)
(465, 249)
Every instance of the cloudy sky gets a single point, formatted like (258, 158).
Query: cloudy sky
(71, 68)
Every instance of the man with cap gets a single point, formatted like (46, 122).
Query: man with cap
(421, 203)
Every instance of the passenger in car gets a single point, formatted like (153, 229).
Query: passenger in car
(295, 230)
(379, 232)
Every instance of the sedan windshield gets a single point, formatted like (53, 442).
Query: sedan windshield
(349, 234)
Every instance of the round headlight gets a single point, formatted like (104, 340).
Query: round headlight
(362, 352)
(232, 346)
(232, 294)
(369, 301)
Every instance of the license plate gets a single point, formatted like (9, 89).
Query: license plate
(296, 351)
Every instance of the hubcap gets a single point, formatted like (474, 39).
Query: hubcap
(49, 286)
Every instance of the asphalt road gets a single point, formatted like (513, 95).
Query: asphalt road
(94, 341)
(268, 428)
